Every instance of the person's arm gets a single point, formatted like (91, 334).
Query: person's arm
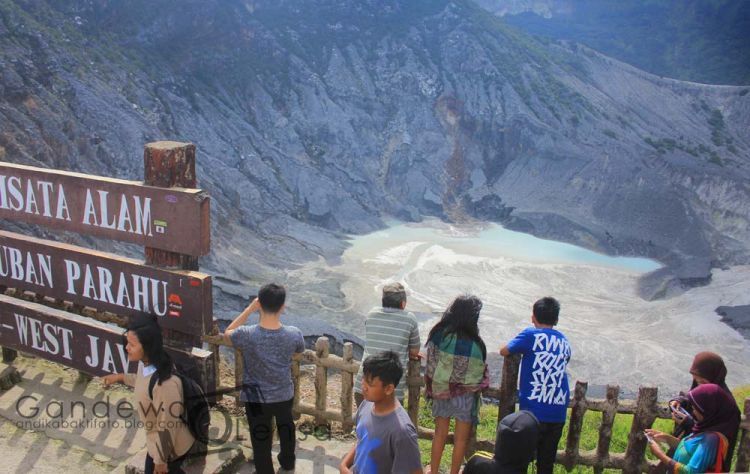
(109, 379)
(300, 346)
(347, 461)
(414, 343)
(660, 455)
(240, 320)
(127, 379)
(519, 344)
(662, 437)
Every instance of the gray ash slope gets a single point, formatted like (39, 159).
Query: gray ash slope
(318, 118)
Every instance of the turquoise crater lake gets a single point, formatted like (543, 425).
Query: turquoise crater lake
(616, 336)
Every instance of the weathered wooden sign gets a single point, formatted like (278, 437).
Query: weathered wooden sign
(89, 346)
(181, 299)
(173, 219)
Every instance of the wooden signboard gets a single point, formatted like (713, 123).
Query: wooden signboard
(172, 219)
(181, 299)
(89, 346)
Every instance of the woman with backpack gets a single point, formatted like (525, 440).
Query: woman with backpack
(168, 438)
(455, 375)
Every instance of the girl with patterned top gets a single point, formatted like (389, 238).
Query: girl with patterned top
(456, 374)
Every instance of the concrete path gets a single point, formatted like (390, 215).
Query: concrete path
(54, 422)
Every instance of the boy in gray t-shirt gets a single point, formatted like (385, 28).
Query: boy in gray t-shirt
(267, 386)
(386, 437)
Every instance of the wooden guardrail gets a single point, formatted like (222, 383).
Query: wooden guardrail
(645, 409)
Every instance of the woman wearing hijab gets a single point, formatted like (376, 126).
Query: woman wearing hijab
(707, 367)
(705, 449)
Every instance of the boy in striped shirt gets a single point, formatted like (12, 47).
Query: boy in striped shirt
(390, 328)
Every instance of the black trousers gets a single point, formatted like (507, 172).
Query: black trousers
(546, 446)
(259, 417)
(173, 467)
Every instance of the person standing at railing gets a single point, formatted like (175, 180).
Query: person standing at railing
(267, 386)
(455, 376)
(706, 447)
(390, 328)
(543, 385)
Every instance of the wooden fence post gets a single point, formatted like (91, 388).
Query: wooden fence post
(214, 349)
(347, 384)
(575, 425)
(166, 165)
(605, 430)
(645, 414)
(743, 447)
(239, 369)
(508, 386)
(296, 379)
(9, 355)
(414, 385)
(321, 381)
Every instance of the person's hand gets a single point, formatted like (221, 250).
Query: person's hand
(419, 356)
(655, 448)
(657, 435)
(160, 468)
(253, 306)
(677, 415)
(344, 470)
(108, 380)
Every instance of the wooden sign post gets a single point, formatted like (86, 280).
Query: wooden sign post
(90, 346)
(182, 300)
(165, 214)
(172, 219)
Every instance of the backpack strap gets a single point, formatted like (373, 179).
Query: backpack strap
(151, 383)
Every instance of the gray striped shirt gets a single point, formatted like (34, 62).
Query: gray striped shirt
(390, 329)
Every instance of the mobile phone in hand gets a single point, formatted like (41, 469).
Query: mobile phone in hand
(680, 410)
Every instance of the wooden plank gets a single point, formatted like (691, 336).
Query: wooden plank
(321, 380)
(575, 424)
(296, 380)
(78, 342)
(117, 209)
(239, 369)
(509, 386)
(347, 384)
(644, 417)
(182, 299)
(605, 430)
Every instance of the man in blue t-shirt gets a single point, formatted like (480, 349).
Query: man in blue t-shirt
(267, 387)
(543, 386)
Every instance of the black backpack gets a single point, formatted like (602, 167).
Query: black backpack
(196, 415)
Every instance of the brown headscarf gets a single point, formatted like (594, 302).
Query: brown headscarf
(710, 366)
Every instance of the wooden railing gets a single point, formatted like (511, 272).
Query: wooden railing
(645, 409)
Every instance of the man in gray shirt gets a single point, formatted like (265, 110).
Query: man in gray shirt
(390, 328)
(386, 437)
(267, 386)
